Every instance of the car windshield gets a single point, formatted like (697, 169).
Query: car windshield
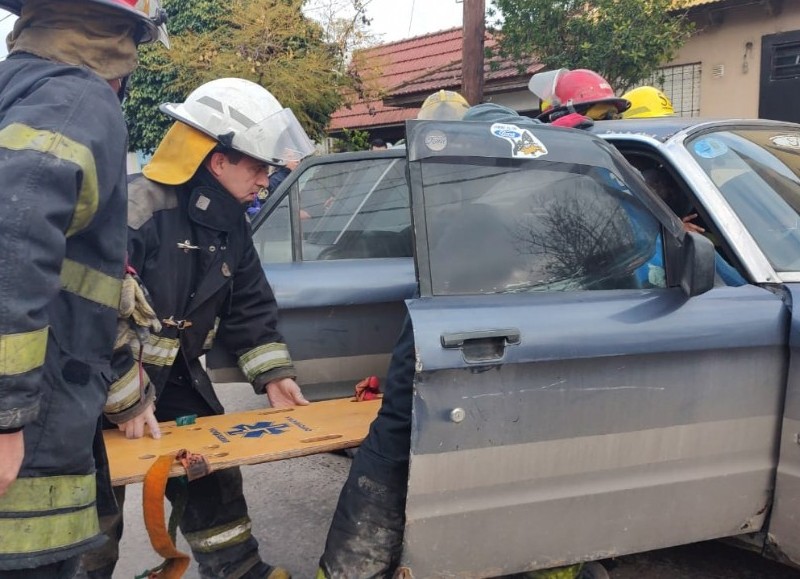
(530, 226)
(758, 173)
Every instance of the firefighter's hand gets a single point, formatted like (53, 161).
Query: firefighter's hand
(134, 428)
(284, 393)
(12, 451)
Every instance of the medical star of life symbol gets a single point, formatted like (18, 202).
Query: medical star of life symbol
(258, 429)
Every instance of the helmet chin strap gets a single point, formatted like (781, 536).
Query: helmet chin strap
(122, 92)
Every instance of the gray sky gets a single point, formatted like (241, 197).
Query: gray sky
(391, 19)
(398, 19)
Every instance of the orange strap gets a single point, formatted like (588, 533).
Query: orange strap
(155, 483)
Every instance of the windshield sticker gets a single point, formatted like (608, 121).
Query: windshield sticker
(436, 141)
(791, 141)
(523, 144)
(710, 148)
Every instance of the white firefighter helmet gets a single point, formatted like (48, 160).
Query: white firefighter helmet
(244, 116)
(151, 17)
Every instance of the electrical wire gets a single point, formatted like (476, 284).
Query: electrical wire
(411, 20)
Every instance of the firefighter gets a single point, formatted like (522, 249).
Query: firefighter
(62, 228)
(365, 538)
(189, 239)
(584, 92)
(647, 102)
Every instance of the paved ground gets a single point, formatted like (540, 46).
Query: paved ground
(291, 503)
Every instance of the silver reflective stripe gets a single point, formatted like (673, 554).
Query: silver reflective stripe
(209, 341)
(264, 358)
(160, 351)
(125, 391)
(220, 537)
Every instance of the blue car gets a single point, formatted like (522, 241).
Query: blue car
(591, 381)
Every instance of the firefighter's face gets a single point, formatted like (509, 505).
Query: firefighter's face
(243, 179)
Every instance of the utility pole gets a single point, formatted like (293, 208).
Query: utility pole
(472, 51)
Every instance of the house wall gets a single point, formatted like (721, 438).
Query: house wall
(736, 92)
(520, 101)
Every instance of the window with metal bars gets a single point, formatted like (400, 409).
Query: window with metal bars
(681, 84)
(785, 61)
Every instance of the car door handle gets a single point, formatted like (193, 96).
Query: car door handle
(459, 339)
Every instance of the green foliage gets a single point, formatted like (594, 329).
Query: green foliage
(354, 140)
(269, 42)
(623, 40)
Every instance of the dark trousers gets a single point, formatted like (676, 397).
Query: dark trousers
(365, 539)
(61, 570)
(214, 521)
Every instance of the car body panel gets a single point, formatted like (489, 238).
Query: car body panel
(783, 539)
(671, 143)
(626, 422)
(627, 419)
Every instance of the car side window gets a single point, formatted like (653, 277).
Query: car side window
(355, 210)
(672, 191)
(507, 229)
(273, 238)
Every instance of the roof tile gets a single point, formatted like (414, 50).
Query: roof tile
(416, 65)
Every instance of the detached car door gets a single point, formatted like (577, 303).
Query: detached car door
(335, 243)
(571, 401)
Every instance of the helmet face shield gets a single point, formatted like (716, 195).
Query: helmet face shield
(155, 27)
(276, 139)
(543, 85)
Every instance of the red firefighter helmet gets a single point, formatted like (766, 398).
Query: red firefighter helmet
(582, 91)
(152, 18)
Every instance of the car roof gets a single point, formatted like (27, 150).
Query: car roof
(664, 128)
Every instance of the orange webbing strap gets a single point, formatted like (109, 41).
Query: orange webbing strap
(155, 483)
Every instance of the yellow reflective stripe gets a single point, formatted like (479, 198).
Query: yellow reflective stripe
(160, 351)
(34, 534)
(125, 392)
(90, 283)
(18, 137)
(20, 353)
(208, 343)
(220, 537)
(264, 358)
(48, 493)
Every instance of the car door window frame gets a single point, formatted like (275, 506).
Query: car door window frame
(670, 225)
(739, 239)
(290, 188)
(653, 153)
